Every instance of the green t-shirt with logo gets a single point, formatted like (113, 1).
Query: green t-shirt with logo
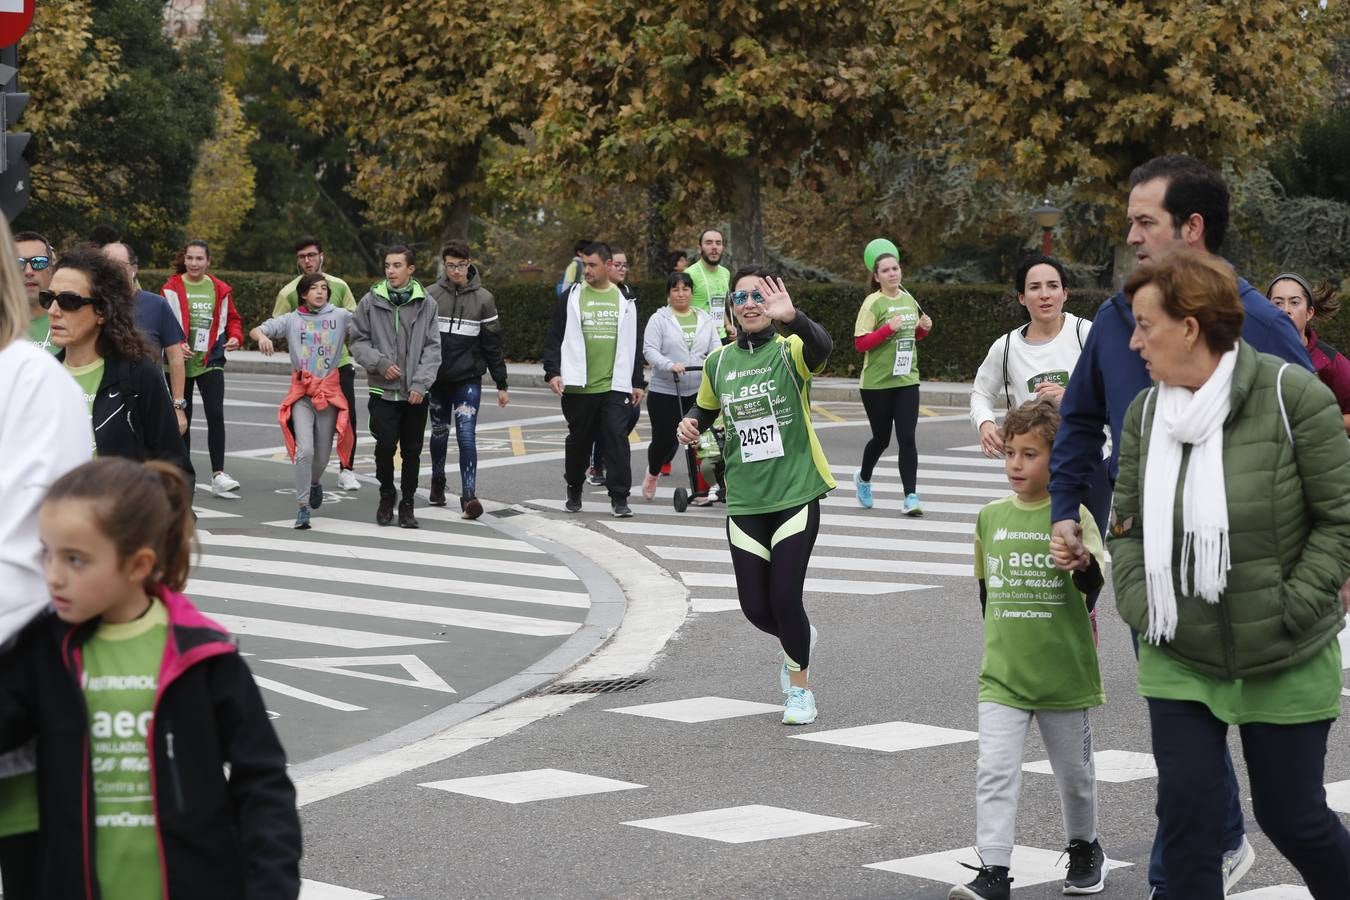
(201, 309)
(1038, 646)
(773, 460)
(894, 362)
(40, 333)
(689, 325)
(711, 287)
(88, 378)
(121, 674)
(600, 331)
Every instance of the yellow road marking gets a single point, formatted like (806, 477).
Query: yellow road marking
(633, 436)
(925, 411)
(826, 413)
(517, 440)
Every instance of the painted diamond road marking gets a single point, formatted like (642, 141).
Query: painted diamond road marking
(890, 737)
(698, 709)
(532, 785)
(1116, 766)
(1030, 865)
(743, 824)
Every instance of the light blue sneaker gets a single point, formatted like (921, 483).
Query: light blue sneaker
(864, 490)
(302, 518)
(800, 708)
(911, 507)
(784, 683)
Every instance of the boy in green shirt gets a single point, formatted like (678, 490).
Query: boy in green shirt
(1040, 661)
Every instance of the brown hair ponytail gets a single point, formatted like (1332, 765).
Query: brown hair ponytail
(138, 505)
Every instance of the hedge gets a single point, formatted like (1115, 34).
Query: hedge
(966, 318)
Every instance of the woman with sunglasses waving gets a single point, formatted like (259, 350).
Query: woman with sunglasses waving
(889, 326)
(90, 307)
(776, 472)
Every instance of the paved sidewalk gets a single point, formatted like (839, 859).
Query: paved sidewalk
(932, 393)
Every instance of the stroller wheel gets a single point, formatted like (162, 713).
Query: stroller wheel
(681, 499)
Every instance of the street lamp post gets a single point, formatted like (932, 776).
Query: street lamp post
(1046, 216)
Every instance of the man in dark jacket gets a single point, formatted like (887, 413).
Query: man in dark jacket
(471, 344)
(1177, 204)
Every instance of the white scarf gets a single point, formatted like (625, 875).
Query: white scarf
(1195, 418)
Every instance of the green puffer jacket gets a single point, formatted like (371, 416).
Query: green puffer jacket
(1288, 526)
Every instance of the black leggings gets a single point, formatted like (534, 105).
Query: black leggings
(769, 553)
(664, 411)
(898, 408)
(212, 386)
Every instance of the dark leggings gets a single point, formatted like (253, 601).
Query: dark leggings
(347, 381)
(459, 403)
(769, 553)
(20, 856)
(889, 408)
(212, 387)
(664, 411)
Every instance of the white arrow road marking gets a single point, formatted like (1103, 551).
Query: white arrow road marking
(422, 674)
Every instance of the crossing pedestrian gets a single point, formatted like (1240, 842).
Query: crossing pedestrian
(887, 331)
(207, 314)
(1176, 204)
(395, 338)
(679, 261)
(575, 270)
(471, 344)
(1239, 612)
(126, 679)
(158, 326)
(90, 307)
(1292, 293)
(315, 407)
(1040, 663)
(36, 256)
(677, 336)
(44, 433)
(776, 472)
(591, 361)
(618, 276)
(309, 257)
(711, 278)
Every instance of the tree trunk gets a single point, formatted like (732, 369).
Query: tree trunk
(1122, 265)
(461, 176)
(745, 243)
(658, 227)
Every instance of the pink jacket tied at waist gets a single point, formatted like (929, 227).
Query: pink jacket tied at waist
(322, 392)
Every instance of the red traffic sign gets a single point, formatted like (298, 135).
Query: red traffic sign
(15, 18)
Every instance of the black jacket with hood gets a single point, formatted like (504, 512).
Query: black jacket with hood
(471, 332)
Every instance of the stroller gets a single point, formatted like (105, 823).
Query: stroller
(704, 462)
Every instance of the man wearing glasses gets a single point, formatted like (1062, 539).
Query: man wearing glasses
(471, 344)
(35, 263)
(309, 257)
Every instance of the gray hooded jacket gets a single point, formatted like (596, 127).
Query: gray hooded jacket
(384, 334)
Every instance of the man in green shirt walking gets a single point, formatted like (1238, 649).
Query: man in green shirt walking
(35, 262)
(712, 280)
(309, 257)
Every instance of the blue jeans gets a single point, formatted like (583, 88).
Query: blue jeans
(458, 401)
(1285, 765)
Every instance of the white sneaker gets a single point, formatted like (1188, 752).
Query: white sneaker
(223, 484)
(347, 481)
(1237, 863)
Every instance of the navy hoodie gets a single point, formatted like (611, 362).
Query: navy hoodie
(1109, 375)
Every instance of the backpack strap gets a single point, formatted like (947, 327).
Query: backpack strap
(1143, 419)
(1007, 385)
(1078, 330)
(1279, 395)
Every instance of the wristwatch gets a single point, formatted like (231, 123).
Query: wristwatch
(180, 404)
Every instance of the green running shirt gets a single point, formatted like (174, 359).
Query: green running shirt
(600, 331)
(201, 308)
(895, 362)
(711, 287)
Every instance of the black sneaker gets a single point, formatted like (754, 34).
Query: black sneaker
(990, 883)
(315, 495)
(573, 503)
(595, 475)
(1087, 868)
(621, 510)
(469, 507)
(405, 515)
(437, 497)
(385, 514)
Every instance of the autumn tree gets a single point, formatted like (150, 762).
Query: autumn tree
(780, 92)
(222, 185)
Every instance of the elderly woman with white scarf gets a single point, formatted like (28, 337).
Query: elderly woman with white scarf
(1229, 544)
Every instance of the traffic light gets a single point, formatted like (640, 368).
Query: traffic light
(13, 167)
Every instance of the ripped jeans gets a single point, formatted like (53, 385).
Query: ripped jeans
(459, 401)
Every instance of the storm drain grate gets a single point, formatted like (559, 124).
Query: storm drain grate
(506, 513)
(605, 686)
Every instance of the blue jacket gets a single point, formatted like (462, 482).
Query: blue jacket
(1109, 375)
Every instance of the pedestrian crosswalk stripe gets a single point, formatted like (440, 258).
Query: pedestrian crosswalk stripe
(814, 585)
(714, 604)
(925, 490)
(385, 609)
(942, 461)
(843, 541)
(718, 514)
(412, 536)
(323, 575)
(317, 890)
(831, 563)
(247, 626)
(937, 506)
(926, 476)
(447, 559)
(206, 512)
(296, 693)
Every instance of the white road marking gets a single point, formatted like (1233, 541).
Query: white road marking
(314, 634)
(814, 585)
(448, 540)
(532, 785)
(419, 673)
(1030, 865)
(286, 690)
(743, 824)
(843, 541)
(829, 563)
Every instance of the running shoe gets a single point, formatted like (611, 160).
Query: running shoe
(437, 495)
(347, 481)
(784, 683)
(315, 495)
(573, 503)
(800, 708)
(621, 510)
(595, 475)
(649, 487)
(1087, 868)
(864, 489)
(911, 507)
(470, 507)
(223, 484)
(406, 519)
(1237, 863)
(385, 514)
(302, 519)
(989, 883)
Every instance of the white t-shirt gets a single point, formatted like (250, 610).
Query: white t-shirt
(1027, 365)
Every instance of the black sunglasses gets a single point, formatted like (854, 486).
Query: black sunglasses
(69, 301)
(37, 262)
